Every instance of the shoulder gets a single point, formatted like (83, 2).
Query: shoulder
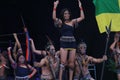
(45, 59)
(89, 57)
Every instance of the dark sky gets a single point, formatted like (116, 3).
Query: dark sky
(37, 15)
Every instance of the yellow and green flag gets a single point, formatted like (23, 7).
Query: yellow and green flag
(106, 11)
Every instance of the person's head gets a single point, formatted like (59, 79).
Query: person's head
(50, 48)
(117, 35)
(118, 45)
(20, 51)
(20, 59)
(82, 47)
(65, 14)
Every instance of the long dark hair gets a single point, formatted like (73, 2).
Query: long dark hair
(62, 14)
(17, 60)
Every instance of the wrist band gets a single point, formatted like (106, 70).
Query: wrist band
(3, 65)
(30, 75)
(54, 9)
(9, 53)
(81, 8)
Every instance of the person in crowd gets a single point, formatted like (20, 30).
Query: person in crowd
(67, 39)
(82, 62)
(3, 65)
(115, 47)
(23, 71)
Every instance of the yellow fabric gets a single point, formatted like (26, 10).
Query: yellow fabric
(104, 19)
(119, 4)
(69, 48)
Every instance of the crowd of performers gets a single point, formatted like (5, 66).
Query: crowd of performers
(50, 64)
(71, 56)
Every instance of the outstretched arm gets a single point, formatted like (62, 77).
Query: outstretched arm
(17, 41)
(112, 46)
(116, 39)
(14, 50)
(39, 64)
(34, 49)
(56, 20)
(9, 55)
(54, 10)
(81, 14)
(98, 60)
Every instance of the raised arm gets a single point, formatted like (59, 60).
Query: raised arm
(9, 55)
(81, 14)
(112, 46)
(54, 9)
(56, 20)
(98, 60)
(14, 50)
(116, 39)
(33, 47)
(17, 41)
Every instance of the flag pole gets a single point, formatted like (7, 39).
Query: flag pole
(22, 21)
(108, 30)
(27, 40)
(27, 33)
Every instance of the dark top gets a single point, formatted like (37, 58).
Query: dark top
(67, 39)
(67, 30)
(22, 72)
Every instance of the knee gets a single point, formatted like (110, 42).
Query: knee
(71, 65)
(63, 62)
(62, 66)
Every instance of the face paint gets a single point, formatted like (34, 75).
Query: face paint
(52, 50)
(82, 48)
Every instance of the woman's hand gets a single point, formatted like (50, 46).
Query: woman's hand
(79, 3)
(9, 48)
(29, 76)
(56, 3)
(104, 57)
(30, 39)
(14, 34)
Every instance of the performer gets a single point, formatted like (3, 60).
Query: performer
(3, 65)
(115, 47)
(49, 64)
(82, 61)
(67, 40)
(22, 69)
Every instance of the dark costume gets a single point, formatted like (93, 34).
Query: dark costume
(67, 39)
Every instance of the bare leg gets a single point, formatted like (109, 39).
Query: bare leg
(63, 58)
(92, 79)
(71, 63)
(118, 76)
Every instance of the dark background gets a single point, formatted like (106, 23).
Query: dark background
(37, 15)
